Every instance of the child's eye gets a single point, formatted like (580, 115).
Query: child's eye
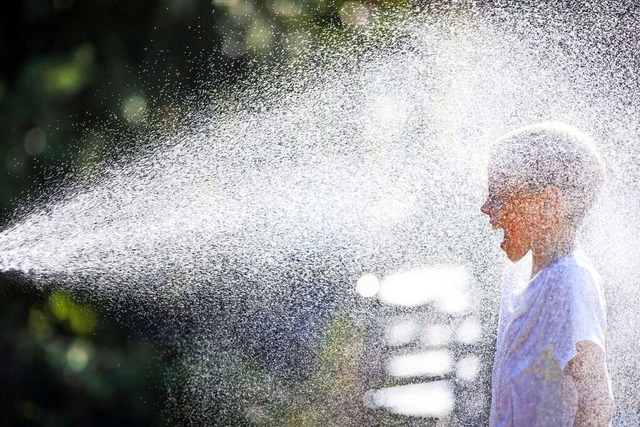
(495, 203)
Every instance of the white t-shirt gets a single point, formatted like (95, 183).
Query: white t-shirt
(540, 323)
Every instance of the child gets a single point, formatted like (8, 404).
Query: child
(550, 365)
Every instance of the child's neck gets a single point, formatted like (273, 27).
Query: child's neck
(552, 250)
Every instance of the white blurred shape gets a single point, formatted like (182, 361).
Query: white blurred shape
(445, 284)
(436, 335)
(456, 302)
(468, 368)
(401, 333)
(368, 285)
(437, 362)
(469, 331)
(433, 399)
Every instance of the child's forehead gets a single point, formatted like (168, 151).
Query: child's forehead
(501, 183)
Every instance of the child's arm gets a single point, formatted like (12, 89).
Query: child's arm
(589, 372)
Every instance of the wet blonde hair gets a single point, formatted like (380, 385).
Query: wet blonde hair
(551, 153)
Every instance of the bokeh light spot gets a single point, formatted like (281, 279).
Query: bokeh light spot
(355, 14)
(35, 141)
(78, 355)
(259, 36)
(368, 285)
(468, 368)
(134, 109)
(39, 323)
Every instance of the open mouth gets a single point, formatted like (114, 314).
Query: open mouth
(500, 231)
(505, 237)
(498, 228)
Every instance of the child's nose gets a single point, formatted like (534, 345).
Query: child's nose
(486, 207)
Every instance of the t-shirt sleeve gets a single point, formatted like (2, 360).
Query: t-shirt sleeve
(576, 313)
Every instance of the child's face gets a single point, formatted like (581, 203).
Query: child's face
(518, 212)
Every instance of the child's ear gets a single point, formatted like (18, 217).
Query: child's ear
(552, 194)
(550, 199)
(555, 201)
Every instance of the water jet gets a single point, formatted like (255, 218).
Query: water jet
(258, 219)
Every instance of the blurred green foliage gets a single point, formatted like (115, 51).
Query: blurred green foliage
(65, 364)
(79, 80)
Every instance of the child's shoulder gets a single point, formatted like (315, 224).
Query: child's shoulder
(576, 275)
(576, 264)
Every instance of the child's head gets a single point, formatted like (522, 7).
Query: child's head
(543, 179)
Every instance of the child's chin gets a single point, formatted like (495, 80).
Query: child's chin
(515, 258)
(514, 254)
